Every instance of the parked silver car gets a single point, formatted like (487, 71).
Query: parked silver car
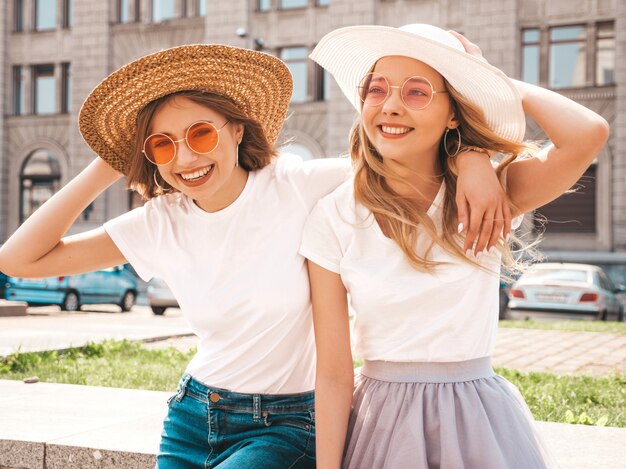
(160, 297)
(580, 289)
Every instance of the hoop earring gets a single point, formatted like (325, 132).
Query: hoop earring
(159, 186)
(445, 143)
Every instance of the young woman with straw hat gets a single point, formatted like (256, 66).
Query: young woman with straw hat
(193, 130)
(426, 312)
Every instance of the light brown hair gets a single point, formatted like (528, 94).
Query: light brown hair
(255, 152)
(401, 218)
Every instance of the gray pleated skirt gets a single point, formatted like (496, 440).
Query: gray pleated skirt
(457, 415)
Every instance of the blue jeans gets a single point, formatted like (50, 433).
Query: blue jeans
(214, 428)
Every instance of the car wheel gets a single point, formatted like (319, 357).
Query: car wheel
(128, 301)
(70, 302)
(620, 313)
(603, 315)
(158, 310)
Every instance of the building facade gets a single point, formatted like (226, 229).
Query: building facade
(55, 51)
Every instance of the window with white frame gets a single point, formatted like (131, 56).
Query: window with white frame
(289, 4)
(605, 54)
(45, 14)
(202, 7)
(577, 55)
(40, 178)
(44, 84)
(163, 10)
(296, 60)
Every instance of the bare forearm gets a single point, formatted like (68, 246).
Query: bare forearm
(577, 135)
(333, 400)
(565, 122)
(43, 230)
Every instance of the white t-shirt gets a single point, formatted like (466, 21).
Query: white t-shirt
(237, 273)
(402, 314)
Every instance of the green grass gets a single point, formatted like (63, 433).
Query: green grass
(567, 399)
(119, 364)
(574, 326)
(572, 399)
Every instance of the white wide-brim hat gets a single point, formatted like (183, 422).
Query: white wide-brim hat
(350, 53)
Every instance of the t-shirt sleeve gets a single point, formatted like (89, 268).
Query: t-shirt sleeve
(314, 179)
(320, 240)
(132, 234)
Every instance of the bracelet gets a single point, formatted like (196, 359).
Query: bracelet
(476, 149)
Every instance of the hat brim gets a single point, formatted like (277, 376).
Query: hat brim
(350, 53)
(258, 83)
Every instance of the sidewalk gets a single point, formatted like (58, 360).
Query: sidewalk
(591, 353)
(49, 426)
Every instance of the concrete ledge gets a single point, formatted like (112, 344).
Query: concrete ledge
(12, 308)
(62, 426)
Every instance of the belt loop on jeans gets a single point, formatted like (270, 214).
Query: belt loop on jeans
(182, 388)
(256, 407)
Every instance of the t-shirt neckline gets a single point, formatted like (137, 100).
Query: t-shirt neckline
(431, 210)
(228, 210)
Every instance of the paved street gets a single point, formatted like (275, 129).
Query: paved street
(46, 328)
(49, 328)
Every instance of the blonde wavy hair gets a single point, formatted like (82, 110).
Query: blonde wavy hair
(403, 220)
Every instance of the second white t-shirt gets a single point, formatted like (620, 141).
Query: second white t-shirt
(402, 314)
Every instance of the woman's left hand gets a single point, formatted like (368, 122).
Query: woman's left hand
(482, 205)
(470, 47)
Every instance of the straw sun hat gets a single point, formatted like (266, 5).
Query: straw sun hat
(258, 83)
(350, 53)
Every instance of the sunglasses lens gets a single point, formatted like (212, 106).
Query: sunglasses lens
(373, 89)
(417, 92)
(159, 149)
(202, 137)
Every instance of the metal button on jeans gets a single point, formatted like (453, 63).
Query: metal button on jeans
(215, 397)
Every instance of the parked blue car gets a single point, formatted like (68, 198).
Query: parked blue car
(117, 285)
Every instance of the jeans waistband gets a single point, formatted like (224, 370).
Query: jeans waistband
(428, 372)
(255, 403)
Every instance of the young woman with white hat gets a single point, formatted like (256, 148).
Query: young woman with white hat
(385, 243)
(193, 129)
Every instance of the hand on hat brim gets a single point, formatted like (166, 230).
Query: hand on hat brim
(471, 48)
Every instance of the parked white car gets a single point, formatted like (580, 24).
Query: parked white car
(580, 289)
(160, 297)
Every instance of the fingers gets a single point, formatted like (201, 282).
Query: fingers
(507, 220)
(486, 229)
(473, 230)
(469, 46)
(496, 232)
(462, 213)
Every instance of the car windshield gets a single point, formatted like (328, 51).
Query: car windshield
(563, 275)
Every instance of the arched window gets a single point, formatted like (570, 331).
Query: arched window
(39, 179)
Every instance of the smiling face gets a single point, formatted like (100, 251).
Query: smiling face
(399, 133)
(212, 180)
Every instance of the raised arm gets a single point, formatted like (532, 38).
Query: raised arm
(37, 248)
(334, 379)
(577, 135)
